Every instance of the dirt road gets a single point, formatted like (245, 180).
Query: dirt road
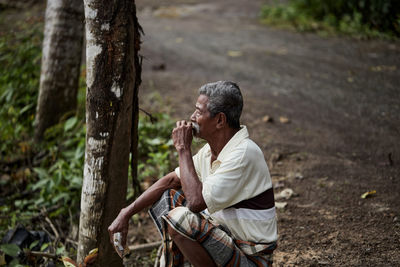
(342, 100)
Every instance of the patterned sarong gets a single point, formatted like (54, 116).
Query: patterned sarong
(217, 240)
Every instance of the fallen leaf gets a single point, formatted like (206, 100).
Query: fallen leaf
(267, 118)
(368, 194)
(280, 205)
(93, 251)
(350, 79)
(285, 194)
(282, 51)
(298, 176)
(234, 53)
(2, 259)
(284, 119)
(383, 68)
(179, 40)
(91, 257)
(68, 262)
(168, 12)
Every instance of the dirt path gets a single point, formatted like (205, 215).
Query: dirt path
(343, 102)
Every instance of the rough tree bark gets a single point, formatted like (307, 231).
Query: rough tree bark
(61, 60)
(113, 76)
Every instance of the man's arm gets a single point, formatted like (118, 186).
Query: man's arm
(191, 185)
(150, 196)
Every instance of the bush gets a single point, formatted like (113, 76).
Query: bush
(20, 54)
(49, 176)
(369, 18)
(155, 146)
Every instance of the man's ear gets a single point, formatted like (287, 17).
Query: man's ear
(221, 120)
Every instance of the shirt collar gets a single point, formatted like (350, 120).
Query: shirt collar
(233, 142)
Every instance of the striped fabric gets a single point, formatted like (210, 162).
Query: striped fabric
(216, 239)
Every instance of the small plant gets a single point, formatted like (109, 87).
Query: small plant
(362, 19)
(20, 54)
(155, 146)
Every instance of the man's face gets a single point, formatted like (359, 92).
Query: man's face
(201, 116)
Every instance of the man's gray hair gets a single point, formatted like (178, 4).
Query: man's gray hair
(225, 97)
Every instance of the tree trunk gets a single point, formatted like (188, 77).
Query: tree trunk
(135, 135)
(113, 76)
(61, 60)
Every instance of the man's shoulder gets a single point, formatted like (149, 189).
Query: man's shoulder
(250, 146)
(243, 152)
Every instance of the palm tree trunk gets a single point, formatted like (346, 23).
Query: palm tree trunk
(113, 76)
(61, 60)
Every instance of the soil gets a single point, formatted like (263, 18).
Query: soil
(342, 102)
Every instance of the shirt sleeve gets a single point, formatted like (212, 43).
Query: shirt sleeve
(227, 186)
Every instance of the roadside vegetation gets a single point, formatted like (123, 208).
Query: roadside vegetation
(356, 18)
(40, 184)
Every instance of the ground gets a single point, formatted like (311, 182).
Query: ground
(340, 96)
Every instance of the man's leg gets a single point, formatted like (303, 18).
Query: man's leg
(192, 250)
(169, 213)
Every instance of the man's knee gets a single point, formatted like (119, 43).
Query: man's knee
(186, 221)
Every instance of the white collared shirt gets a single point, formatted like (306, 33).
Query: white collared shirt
(239, 173)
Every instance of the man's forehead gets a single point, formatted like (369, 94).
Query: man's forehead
(202, 101)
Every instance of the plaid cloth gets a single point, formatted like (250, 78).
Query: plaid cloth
(217, 240)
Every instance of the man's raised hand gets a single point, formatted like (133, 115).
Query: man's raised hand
(182, 135)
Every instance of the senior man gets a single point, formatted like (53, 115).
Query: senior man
(217, 208)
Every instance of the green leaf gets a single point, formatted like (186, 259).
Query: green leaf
(70, 123)
(44, 246)
(27, 107)
(10, 249)
(42, 173)
(40, 184)
(60, 196)
(33, 244)
(15, 263)
(60, 250)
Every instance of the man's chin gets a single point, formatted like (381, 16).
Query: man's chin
(196, 129)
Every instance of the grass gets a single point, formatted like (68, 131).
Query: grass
(295, 16)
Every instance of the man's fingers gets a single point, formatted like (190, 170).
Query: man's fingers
(111, 234)
(123, 238)
(181, 123)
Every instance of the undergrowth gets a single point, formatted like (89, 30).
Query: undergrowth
(356, 18)
(40, 184)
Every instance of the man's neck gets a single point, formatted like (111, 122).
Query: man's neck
(220, 140)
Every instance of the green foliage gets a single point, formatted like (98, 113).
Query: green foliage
(155, 146)
(60, 174)
(48, 177)
(359, 18)
(20, 53)
(10, 249)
